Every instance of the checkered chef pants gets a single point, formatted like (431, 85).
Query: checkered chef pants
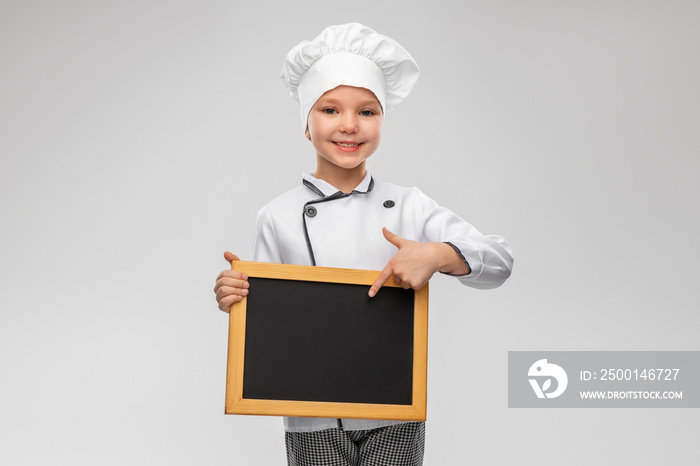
(395, 445)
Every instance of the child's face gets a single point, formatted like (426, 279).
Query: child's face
(345, 126)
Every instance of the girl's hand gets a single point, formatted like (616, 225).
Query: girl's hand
(415, 263)
(231, 285)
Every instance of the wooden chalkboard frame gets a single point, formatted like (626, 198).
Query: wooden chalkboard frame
(237, 404)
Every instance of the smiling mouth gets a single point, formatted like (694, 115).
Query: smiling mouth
(347, 144)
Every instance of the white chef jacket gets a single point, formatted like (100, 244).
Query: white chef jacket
(316, 224)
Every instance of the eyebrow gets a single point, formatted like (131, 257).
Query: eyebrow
(362, 103)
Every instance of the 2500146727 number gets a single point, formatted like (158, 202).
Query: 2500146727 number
(637, 374)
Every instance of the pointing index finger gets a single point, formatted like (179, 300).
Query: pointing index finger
(381, 279)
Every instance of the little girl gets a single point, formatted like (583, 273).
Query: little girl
(345, 81)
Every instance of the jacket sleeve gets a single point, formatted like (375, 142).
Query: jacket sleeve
(265, 245)
(489, 257)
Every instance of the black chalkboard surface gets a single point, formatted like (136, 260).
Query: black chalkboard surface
(308, 341)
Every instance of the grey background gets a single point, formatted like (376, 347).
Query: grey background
(139, 139)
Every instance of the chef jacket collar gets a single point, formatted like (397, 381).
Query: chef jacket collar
(325, 189)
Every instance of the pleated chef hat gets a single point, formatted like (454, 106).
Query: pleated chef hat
(351, 55)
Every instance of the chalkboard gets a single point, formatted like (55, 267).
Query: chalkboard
(308, 341)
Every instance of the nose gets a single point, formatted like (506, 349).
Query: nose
(348, 123)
